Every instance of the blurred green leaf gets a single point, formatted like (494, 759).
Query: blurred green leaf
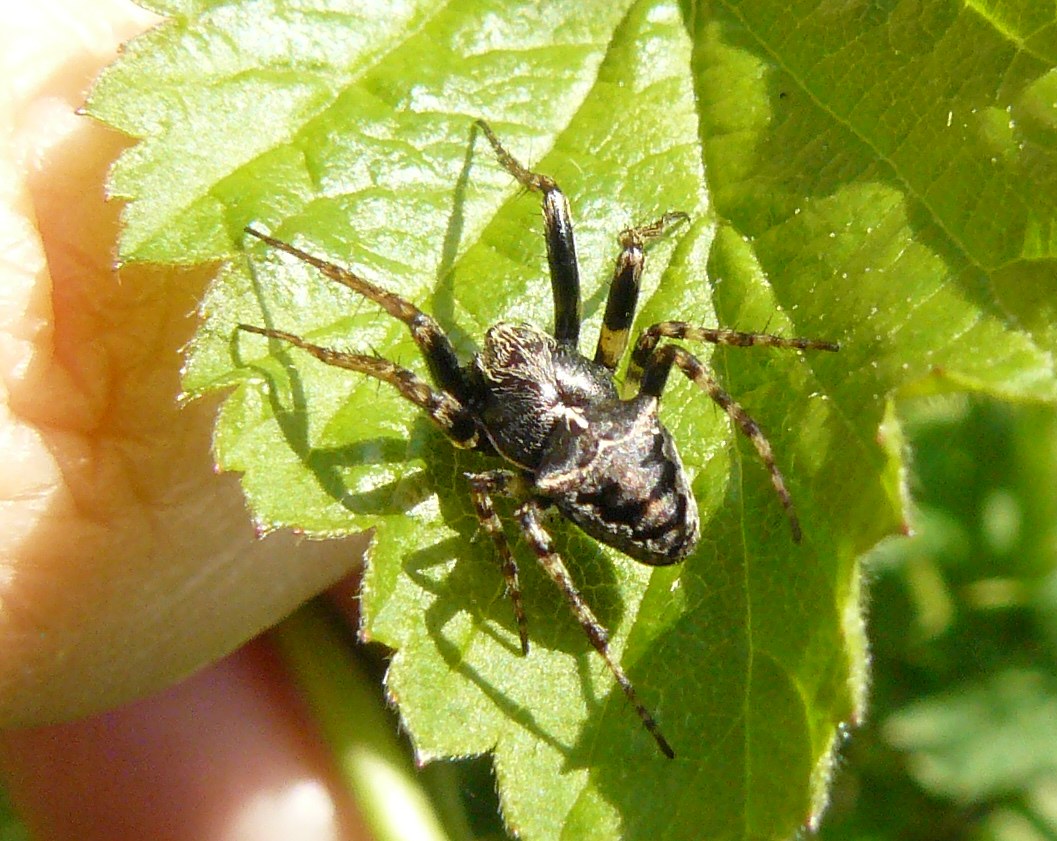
(11, 827)
(854, 172)
(959, 741)
(978, 741)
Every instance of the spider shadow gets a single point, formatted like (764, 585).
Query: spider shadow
(472, 584)
(460, 590)
(720, 672)
(328, 465)
(443, 298)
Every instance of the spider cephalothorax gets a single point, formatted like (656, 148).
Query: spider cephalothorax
(569, 439)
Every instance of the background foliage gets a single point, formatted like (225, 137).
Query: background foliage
(961, 740)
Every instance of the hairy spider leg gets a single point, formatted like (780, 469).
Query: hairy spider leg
(431, 340)
(654, 380)
(624, 288)
(446, 411)
(648, 339)
(651, 366)
(482, 486)
(561, 248)
(529, 517)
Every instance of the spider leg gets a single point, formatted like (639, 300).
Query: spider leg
(529, 517)
(624, 288)
(654, 380)
(648, 339)
(561, 248)
(431, 340)
(482, 486)
(446, 411)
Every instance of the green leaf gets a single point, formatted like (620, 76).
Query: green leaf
(885, 176)
(978, 741)
(12, 827)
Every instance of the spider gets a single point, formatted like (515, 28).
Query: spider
(556, 418)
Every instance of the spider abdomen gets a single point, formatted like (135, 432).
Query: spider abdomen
(620, 479)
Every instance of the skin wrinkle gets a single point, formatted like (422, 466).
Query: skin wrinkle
(125, 561)
(60, 388)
